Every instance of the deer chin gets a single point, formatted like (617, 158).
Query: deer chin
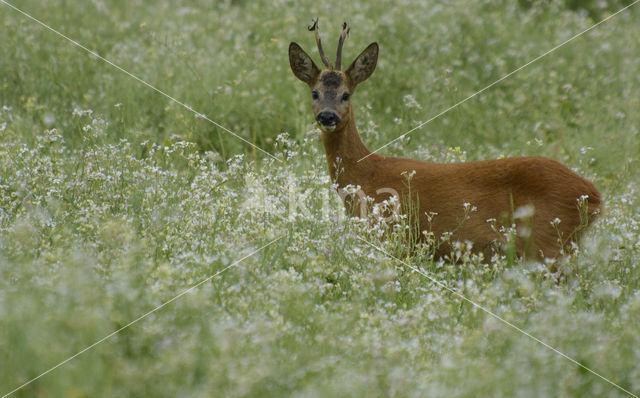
(328, 127)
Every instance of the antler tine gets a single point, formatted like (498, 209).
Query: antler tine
(324, 58)
(343, 35)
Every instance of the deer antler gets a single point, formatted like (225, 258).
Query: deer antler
(324, 58)
(343, 35)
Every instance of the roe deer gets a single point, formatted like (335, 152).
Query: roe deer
(543, 188)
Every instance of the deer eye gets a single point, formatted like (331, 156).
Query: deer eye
(345, 97)
(315, 95)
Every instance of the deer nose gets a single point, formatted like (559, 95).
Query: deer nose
(328, 118)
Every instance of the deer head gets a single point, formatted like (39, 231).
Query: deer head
(331, 88)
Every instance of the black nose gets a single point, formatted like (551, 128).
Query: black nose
(327, 118)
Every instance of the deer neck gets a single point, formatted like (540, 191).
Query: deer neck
(344, 149)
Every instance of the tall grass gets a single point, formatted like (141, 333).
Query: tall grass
(113, 200)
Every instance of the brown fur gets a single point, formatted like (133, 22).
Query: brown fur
(495, 187)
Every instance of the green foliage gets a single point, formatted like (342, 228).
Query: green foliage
(596, 10)
(113, 200)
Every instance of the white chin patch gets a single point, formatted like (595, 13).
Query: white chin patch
(328, 127)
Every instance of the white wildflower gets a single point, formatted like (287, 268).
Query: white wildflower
(524, 231)
(49, 119)
(96, 176)
(410, 101)
(525, 211)
(77, 112)
(469, 207)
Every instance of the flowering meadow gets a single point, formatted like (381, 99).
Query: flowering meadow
(147, 252)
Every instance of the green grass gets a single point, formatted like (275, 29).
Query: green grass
(101, 224)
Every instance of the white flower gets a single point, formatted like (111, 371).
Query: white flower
(524, 232)
(49, 119)
(351, 189)
(468, 207)
(79, 112)
(525, 211)
(53, 135)
(410, 102)
(408, 174)
(96, 175)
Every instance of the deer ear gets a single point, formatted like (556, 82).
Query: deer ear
(302, 65)
(364, 65)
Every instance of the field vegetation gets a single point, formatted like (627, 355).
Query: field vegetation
(114, 199)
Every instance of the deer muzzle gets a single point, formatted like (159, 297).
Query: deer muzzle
(328, 120)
